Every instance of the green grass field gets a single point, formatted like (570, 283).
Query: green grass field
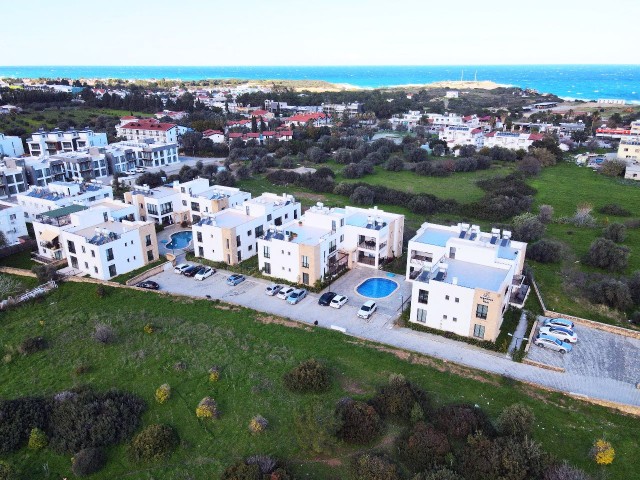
(253, 355)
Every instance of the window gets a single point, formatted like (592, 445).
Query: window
(423, 296)
(184, 203)
(147, 240)
(421, 315)
(71, 246)
(305, 261)
(478, 331)
(84, 251)
(333, 225)
(109, 254)
(286, 215)
(199, 236)
(95, 269)
(248, 233)
(481, 311)
(265, 252)
(269, 218)
(341, 238)
(267, 268)
(93, 253)
(239, 256)
(112, 271)
(305, 278)
(195, 206)
(455, 319)
(452, 252)
(446, 297)
(86, 265)
(238, 242)
(457, 300)
(250, 248)
(342, 222)
(150, 255)
(227, 243)
(444, 317)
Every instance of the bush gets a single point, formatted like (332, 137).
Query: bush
(613, 168)
(45, 273)
(207, 408)
(604, 253)
(6, 471)
(353, 170)
(37, 439)
(88, 461)
(564, 472)
(309, 376)
(315, 429)
(545, 251)
(399, 398)
(516, 420)
(362, 196)
(100, 291)
(610, 292)
(614, 209)
(153, 443)
(148, 328)
(258, 424)
(103, 334)
(442, 474)
(616, 232)
(359, 422)
(530, 166)
(634, 287)
(241, 471)
(423, 447)
(528, 228)
(163, 393)
(214, 374)
(462, 420)
(19, 417)
(603, 452)
(32, 345)
(545, 213)
(395, 164)
(373, 467)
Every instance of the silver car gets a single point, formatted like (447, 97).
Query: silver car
(552, 343)
(558, 322)
(560, 333)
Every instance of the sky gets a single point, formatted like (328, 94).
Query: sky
(323, 32)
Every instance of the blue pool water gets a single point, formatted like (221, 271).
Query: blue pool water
(180, 240)
(376, 287)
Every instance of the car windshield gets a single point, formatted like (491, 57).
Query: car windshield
(365, 308)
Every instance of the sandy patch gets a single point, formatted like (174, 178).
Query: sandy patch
(268, 319)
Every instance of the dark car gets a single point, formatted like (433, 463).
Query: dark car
(192, 270)
(325, 298)
(149, 284)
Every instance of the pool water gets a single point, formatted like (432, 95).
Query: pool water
(376, 287)
(180, 239)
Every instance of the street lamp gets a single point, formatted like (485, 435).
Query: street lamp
(517, 338)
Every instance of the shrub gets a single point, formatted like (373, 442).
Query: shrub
(530, 166)
(395, 164)
(373, 467)
(423, 447)
(309, 376)
(528, 228)
(19, 417)
(315, 429)
(603, 452)
(545, 251)
(442, 474)
(398, 399)
(207, 408)
(37, 439)
(604, 253)
(163, 393)
(103, 334)
(148, 328)
(88, 461)
(516, 420)
(462, 420)
(362, 196)
(180, 366)
(634, 287)
(258, 424)
(616, 232)
(6, 471)
(614, 209)
(610, 292)
(214, 374)
(155, 442)
(45, 273)
(613, 168)
(564, 471)
(100, 291)
(32, 345)
(359, 422)
(241, 471)
(545, 213)
(265, 463)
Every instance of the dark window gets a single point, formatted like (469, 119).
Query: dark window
(478, 331)
(112, 270)
(482, 311)
(421, 315)
(109, 254)
(150, 255)
(423, 296)
(199, 236)
(267, 268)
(265, 252)
(238, 242)
(305, 278)
(71, 246)
(148, 240)
(269, 218)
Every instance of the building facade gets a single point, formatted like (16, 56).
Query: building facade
(12, 223)
(44, 143)
(145, 128)
(10, 146)
(511, 140)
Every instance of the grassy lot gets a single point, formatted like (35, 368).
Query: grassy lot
(126, 276)
(253, 355)
(18, 260)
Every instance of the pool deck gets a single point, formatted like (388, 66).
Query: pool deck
(166, 235)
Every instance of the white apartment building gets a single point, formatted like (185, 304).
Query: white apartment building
(231, 235)
(12, 223)
(83, 165)
(38, 200)
(216, 136)
(143, 128)
(511, 140)
(12, 180)
(204, 201)
(57, 141)
(410, 119)
(10, 146)
(140, 153)
(461, 136)
(338, 110)
(632, 172)
(463, 278)
(629, 147)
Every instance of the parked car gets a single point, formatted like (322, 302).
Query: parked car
(192, 270)
(235, 279)
(148, 284)
(131, 172)
(558, 322)
(284, 292)
(140, 170)
(367, 309)
(273, 289)
(181, 268)
(204, 272)
(547, 341)
(325, 298)
(560, 333)
(338, 301)
(296, 296)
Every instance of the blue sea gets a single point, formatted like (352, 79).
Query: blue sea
(585, 82)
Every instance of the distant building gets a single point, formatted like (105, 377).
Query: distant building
(340, 109)
(216, 136)
(629, 147)
(43, 143)
(511, 140)
(12, 180)
(10, 146)
(632, 172)
(452, 94)
(461, 136)
(611, 101)
(410, 120)
(12, 223)
(140, 129)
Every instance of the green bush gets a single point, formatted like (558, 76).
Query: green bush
(6, 471)
(616, 232)
(37, 439)
(309, 376)
(564, 471)
(32, 345)
(241, 471)
(19, 417)
(461, 420)
(399, 398)
(88, 461)
(155, 442)
(373, 467)
(423, 447)
(442, 474)
(359, 422)
(614, 209)
(516, 420)
(545, 251)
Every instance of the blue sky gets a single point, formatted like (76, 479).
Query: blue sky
(323, 32)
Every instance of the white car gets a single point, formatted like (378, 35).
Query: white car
(204, 272)
(284, 292)
(181, 268)
(273, 289)
(367, 309)
(131, 172)
(338, 301)
(140, 170)
(560, 333)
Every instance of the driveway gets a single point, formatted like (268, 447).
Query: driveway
(603, 384)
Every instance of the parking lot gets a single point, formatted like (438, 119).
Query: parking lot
(597, 354)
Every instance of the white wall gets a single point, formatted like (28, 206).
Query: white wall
(12, 222)
(439, 306)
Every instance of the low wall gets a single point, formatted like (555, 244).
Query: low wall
(597, 325)
(148, 273)
(17, 271)
(543, 365)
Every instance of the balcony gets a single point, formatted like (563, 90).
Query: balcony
(366, 260)
(368, 243)
(420, 259)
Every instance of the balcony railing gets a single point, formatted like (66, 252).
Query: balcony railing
(367, 260)
(368, 244)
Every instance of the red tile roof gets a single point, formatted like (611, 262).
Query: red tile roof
(258, 113)
(235, 135)
(305, 117)
(208, 133)
(476, 130)
(536, 136)
(149, 124)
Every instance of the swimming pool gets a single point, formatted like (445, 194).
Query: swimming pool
(180, 239)
(376, 287)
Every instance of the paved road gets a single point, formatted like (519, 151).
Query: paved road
(380, 328)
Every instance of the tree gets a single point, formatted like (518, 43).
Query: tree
(611, 292)
(373, 467)
(517, 421)
(616, 232)
(544, 156)
(362, 196)
(545, 213)
(254, 125)
(8, 286)
(613, 168)
(634, 287)
(580, 136)
(395, 164)
(528, 228)
(545, 251)
(3, 239)
(530, 166)
(226, 178)
(190, 141)
(603, 253)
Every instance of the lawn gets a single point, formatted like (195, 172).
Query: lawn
(253, 356)
(18, 260)
(127, 276)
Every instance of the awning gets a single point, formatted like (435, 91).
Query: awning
(49, 235)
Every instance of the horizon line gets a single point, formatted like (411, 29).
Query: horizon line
(334, 65)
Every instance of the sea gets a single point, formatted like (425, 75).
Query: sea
(584, 82)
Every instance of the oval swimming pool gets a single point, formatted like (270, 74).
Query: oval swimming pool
(180, 239)
(376, 287)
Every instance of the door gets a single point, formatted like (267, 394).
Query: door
(305, 278)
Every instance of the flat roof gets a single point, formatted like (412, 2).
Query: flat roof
(362, 220)
(507, 252)
(61, 212)
(436, 236)
(306, 235)
(159, 192)
(231, 218)
(472, 275)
